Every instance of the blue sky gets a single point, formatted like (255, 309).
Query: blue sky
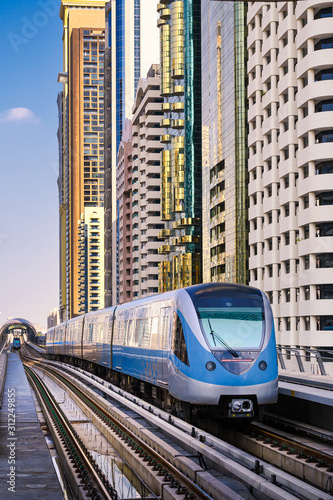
(31, 57)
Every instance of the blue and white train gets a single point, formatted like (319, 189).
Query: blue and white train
(202, 346)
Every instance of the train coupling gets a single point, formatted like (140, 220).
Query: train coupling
(241, 408)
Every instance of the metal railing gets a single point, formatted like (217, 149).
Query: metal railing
(305, 360)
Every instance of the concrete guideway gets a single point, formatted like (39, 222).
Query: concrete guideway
(220, 456)
(25, 460)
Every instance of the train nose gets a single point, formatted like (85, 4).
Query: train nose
(241, 408)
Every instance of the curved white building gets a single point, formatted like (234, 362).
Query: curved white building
(290, 92)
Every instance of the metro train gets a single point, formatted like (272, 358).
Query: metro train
(204, 346)
(16, 343)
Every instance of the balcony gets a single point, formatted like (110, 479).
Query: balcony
(178, 90)
(165, 14)
(177, 124)
(164, 249)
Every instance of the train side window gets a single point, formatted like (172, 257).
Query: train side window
(165, 332)
(122, 334)
(90, 332)
(139, 331)
(154, 333)
(178, 341)
(129, 336)
(146, 334)
(119, 330)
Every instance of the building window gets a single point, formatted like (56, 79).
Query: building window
(286, 210)
(307, 353)
(325, 198)
(326, 105)
(324, 43)
(287, 294)
(324, 136)
(324, 74)
(325, 229)
(307, 323)
(325, 323)
(324, 168)
(323, 13)
(287, 239)
(324, 292)
(324, 260)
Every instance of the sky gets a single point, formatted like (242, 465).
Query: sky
(31, 58)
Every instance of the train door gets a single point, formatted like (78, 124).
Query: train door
(165, 331)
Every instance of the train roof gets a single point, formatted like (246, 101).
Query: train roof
(196, 291)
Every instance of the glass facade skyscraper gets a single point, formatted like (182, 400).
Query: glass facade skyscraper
(224, 148)
(180, 35)
(123, 35)
(125, 20)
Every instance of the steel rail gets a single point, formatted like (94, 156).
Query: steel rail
(51, 404)
(152, 457)
(294, 446)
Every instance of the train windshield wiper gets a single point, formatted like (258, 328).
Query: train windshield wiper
(223, 342)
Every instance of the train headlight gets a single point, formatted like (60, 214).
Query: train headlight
(262, 365)
(210, 366)
(236, 405)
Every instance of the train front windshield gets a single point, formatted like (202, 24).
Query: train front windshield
(232, 323)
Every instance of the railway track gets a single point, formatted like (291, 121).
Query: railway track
(212, 465)
(153, 459)
(284, 423)
(310, 452)
(168, 473)
(306, 458)
(86, 479)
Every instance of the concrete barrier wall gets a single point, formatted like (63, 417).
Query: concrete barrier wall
(3, 368)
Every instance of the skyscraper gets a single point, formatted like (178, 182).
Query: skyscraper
(146, 184)
(290, 117)
(81, 143)
(132, 41)
(124, 209)
(180, 35)
(224, 142)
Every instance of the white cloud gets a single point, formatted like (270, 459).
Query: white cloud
(18, 115)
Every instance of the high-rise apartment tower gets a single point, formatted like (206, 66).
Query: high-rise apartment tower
(290, 49)
(81, 144)
(146, 184)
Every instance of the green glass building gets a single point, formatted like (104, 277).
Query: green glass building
(180, 35)
(224, 141)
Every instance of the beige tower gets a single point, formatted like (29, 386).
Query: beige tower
(290, 165)
(81, 136)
